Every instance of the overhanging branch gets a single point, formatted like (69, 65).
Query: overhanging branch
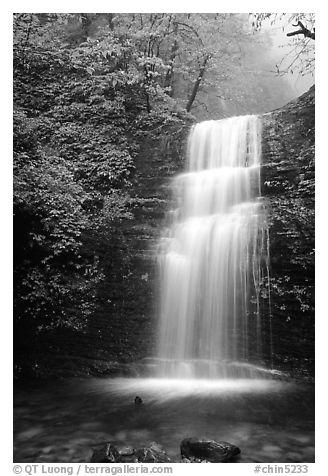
(302, 31)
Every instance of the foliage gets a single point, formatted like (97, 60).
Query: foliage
(50, 219)
(72, 163)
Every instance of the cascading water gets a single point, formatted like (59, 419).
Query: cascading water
(215, 256)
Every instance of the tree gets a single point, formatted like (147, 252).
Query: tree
(301, 55)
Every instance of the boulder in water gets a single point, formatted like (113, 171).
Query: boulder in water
(155, 453)
(117, 453)
(106, 454)
(127, 454)
(125, 450)
(209, 450)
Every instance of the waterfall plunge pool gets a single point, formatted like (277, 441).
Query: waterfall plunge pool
(62, 421)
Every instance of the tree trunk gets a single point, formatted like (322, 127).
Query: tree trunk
(86, 23)
(147, 102)
(197, 83)
(110, 17)
(174, 50)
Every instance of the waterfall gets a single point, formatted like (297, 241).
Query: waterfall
(214, 256)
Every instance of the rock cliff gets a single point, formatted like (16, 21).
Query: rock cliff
(288, 187)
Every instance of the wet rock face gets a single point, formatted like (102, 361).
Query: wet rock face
(202, 449)
(288, 188)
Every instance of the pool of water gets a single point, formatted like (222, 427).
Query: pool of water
(62, 421)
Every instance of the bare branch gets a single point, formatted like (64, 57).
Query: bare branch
(302, 31)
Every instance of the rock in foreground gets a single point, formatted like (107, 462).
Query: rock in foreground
(210, 450)
(111, 453)
(106, 454)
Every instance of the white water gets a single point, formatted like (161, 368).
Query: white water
(214, 257)
(160, 390)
